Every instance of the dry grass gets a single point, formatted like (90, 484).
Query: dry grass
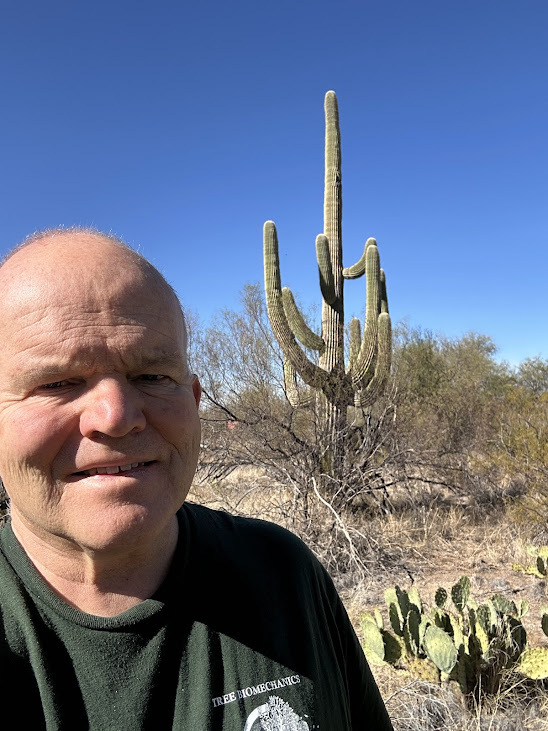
(430, 541)
(414, 705)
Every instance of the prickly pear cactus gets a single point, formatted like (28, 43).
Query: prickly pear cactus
(424, 669)
(539, 567)
(460, 593)
(544, 620)
(472, 645)
(534, 663)
(379, 645)
(440, 597)
(440, 649)
(373, 642)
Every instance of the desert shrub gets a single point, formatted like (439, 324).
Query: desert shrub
(423, 706)
(532, 374)
(449, 393)
(437, 414)
(449, 387)
(519, 449)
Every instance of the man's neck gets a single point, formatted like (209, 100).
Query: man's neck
(103, 583)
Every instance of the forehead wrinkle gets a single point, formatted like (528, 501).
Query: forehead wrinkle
(88, 345)
(95, 324)
(36, 306)
(155, 357)
(84, 364)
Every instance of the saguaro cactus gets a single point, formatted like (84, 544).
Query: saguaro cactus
(363, 379)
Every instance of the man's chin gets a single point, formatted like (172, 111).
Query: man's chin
(124, 529)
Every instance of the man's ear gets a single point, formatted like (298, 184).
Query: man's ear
(196, 389)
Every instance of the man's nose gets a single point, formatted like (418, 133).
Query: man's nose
(112, 407)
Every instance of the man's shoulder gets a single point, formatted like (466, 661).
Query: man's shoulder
(220, 526)
(259, 546)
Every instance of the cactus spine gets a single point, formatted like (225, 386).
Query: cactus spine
(364, 379)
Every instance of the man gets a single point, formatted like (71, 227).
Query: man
(120, 609)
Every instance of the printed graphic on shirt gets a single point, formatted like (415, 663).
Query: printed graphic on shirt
(278, 704)
(252, 690)
(275, 715)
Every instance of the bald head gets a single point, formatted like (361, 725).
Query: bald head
(79, 265)
(66, 233)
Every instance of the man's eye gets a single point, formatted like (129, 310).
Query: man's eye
(54, 384)
(153, 377)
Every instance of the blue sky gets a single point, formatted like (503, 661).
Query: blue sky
(183, 126)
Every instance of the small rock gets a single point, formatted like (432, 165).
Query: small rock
(500, 585)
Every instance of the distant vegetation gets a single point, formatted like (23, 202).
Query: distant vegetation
(454, 454)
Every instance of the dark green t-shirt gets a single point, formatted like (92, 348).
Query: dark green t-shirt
(247, 633)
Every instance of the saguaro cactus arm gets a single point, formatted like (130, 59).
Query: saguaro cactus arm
(362, 371)
(327, 282)
(358, 269)
(384, 296)
(297, 399)
(376, 385)
(309, 372)
(297, 324)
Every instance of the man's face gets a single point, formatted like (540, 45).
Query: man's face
(99, 427)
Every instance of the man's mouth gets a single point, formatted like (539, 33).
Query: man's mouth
(113, 470)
